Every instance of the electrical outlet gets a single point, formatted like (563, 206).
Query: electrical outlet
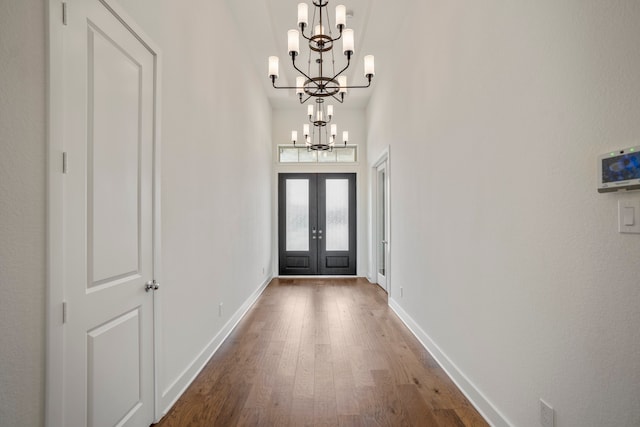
(546, 414)
(220, 310)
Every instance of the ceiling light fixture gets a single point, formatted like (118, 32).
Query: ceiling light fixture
(319, 117)
(326, 81)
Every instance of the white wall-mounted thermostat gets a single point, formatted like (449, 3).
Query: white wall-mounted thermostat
(619, 170)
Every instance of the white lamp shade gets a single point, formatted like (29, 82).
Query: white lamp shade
(319, 29)
(341, 16)
(334, 130)
(345, 136)
(342, 83)
(293, 38)
(305, 129)
(273, 66)
(299, 84)
(320, 116)
(303, 14)
(329, 110)
(294, 135)
(369, 66)
(310, 110)
(347, 41)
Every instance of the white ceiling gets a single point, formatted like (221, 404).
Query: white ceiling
(263, 25)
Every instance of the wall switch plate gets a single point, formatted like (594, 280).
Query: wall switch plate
(628, 216)
(546, 414)
(220, 310)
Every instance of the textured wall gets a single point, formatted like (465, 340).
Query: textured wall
(22, 212)
(510, 260)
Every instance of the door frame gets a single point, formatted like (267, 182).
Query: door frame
(54, 372)
(385, 156)
(317, 183)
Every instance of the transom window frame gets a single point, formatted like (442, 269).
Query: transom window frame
(300, 148)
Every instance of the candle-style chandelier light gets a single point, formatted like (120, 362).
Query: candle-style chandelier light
(319, 118)
(320, 80)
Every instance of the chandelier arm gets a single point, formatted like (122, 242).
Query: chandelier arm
(362, 87)
(340, 100)
(305, 100)
(344, 69)
(293, 61)
(339, 37)
(303, 34)
(319, 123)
(273, 82)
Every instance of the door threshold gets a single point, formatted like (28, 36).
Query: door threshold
(316, 276)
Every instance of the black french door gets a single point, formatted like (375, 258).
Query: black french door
(317, 223)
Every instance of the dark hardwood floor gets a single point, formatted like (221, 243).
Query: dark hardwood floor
(322, 352)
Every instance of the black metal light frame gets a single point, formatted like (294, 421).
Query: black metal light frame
(321, 86)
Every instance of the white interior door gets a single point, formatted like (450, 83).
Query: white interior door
(382, 224)
(108, 221)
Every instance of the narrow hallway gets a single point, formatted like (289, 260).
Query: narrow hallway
(327, 352)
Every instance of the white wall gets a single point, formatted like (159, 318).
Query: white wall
(351, 119)
(216, 192)
(216, 180)
(512, 267)
(22, 212)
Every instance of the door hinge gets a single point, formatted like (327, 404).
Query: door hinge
(64, 312)
(64, 13)
(64, 162)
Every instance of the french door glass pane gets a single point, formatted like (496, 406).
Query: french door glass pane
(297, 209)
(337, 215)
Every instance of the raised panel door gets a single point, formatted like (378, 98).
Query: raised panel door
(108, 220)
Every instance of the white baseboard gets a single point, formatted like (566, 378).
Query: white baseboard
(173, 392)
(475, 396)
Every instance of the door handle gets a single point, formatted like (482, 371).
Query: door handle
(151, 285)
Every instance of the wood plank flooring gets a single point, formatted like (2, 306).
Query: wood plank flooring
(322, 352)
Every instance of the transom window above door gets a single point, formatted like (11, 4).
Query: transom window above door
(294, 154)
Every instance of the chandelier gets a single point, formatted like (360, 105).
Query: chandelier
(319, 117)
(320, 80)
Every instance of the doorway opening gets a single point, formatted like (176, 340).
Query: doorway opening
(317, 224)
(380, 207)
